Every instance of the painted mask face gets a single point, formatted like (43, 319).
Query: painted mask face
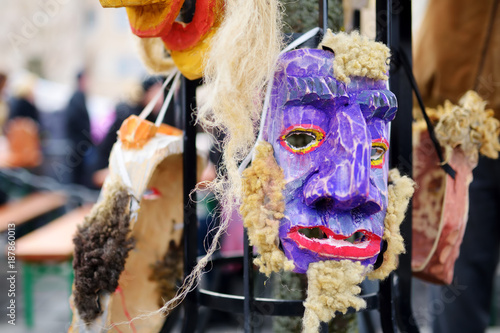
(187, 42)
(331, 140)
(156, 18)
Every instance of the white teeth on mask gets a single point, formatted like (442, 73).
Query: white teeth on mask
(313, 233)
(317, 233)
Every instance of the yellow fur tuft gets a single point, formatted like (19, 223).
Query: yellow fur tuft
(469, 126)
(400, 192)
(356, 55)
(262, 209)
(332, 286)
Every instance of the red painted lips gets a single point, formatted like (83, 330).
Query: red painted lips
(360, 245)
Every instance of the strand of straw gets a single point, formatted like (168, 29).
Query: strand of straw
(147, 110)
(302, 39)
(164, 107)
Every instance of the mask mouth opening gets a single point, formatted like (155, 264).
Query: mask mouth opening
(355, 238)
(359, 245)
(321, 233)
(313, 233)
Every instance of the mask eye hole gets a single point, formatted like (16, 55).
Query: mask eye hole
(377, 153)
(302, 139)
(299, 140)
(378, 150)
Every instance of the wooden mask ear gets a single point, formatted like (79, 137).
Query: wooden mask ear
(326, 48)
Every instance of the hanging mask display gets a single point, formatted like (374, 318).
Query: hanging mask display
(100, 305)
(126, 259)
(316, 198)
(441, 203)
(187, 43)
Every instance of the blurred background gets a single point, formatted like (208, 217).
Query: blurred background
(69, 72)
(55, 39)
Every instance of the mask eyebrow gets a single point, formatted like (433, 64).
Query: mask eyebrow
(314, 91)
(378, 104)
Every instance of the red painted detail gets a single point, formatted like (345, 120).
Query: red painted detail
(301, 126)
(125, 311)
(183, 36)
(381, 164)
(382, 140)
(164, 26)
(151, 194)
(335, 247)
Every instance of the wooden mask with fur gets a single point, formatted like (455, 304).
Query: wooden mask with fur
(316, 198)
(127, 251)
(187, 43)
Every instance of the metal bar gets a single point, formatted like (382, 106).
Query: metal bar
(323, 15)
(188, 100)
(248, 306)
(381, 21)
(386, 308)
(394, 28)
(218, 260)
(277, 307)
(28, 284)
(401, 39)
(383, 34)
(356, 20)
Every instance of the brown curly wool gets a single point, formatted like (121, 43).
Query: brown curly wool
(470, 126)
(101, 247)
(168, 272)
(262, 209)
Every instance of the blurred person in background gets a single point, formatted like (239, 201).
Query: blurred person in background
(78, 132)
(4, 109)
(137, 101)
(22, 129)
(21, 103)
(4, 113)
(458, 49)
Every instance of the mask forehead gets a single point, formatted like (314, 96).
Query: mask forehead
(327, 137)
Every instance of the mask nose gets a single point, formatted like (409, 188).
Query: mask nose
(341, 189)
(342, 180)
(324, 197)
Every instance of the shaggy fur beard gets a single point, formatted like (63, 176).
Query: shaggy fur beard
(332, 286)
(101, 248)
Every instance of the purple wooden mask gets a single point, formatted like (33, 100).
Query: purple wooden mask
(331, 140)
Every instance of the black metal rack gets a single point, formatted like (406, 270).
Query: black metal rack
(393, 300)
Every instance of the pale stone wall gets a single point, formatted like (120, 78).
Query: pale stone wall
(57, 38)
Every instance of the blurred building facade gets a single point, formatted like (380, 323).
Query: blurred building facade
(57, 38)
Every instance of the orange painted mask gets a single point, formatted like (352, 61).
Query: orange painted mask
(188, 43)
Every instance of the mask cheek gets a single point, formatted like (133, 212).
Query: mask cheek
(295, 167)
(296, 214)
(378, 179)
(284, 228)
